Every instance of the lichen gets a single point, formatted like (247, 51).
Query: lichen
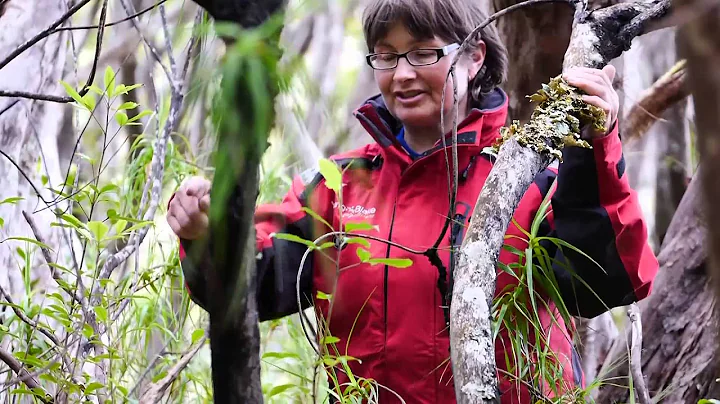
(556, 122)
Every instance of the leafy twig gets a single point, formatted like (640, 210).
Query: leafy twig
(22, 316)
(28, 379)
(48, 259)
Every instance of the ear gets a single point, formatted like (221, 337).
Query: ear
(477, 58)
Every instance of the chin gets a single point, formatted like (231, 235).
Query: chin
(418, 117)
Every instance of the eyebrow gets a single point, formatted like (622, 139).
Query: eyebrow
(421, 43)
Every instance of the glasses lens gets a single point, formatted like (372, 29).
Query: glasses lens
(422, 57)
(383, 60)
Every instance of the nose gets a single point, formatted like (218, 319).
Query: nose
(404, 71)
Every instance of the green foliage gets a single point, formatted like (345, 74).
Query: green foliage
(556, 121)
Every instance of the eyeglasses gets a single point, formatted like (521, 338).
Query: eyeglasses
(416, 57)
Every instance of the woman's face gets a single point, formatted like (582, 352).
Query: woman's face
(413, 94)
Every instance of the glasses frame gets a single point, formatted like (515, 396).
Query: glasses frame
(441, 52)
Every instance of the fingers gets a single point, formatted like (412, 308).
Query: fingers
(197, 186)
(174, 225)
(609, 71)
(598, 89)
(205, 203)
(185, 214)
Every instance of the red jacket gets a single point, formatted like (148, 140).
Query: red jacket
(394, 315)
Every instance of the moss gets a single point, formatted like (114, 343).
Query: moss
(556, 122)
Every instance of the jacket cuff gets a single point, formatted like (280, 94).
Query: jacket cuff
(610, 165)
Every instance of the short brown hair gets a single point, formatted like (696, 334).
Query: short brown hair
(450, 20)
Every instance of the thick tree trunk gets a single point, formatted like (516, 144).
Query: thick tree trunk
(679, 325)
(700, 45)
(596, 38)
(657, 163)
(28, 129)
(536, 38)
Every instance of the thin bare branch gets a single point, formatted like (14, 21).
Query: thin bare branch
(155, 392)
(168, 46)
(86, 86)
(110, 24)
(129, 9)
(668, 90)
(633, 314)
(37, 38)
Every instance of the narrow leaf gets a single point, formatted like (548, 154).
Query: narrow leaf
(29, 240)
(109, 81)
(72, 92)
(355, 226)
(294, 238)
(363, 254)
(392, 262)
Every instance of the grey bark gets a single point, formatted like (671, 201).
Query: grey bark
(473, 349)
(596, 38)
(657, 163)
(680, 337)
(28, 129)
(537, 37)
(700, 44)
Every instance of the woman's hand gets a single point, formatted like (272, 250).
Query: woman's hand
(599, 91)
(188, 211)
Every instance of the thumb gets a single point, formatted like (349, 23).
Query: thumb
(610, 71)
(204, 203)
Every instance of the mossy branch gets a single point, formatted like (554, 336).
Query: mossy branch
(556, 122)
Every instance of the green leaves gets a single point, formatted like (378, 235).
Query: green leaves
(101, 313)
(197, 334)
(109, 81)
(98, 229)
(28, 240)
(331, 172)
(365, 257)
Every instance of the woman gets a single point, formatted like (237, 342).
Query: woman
(394, 319)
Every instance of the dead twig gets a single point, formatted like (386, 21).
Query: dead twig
(668, 90)
(155, 392)
(635, 330)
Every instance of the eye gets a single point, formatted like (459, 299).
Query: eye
(424, 56)
(385, 57)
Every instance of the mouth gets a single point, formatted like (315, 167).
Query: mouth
(408, 97)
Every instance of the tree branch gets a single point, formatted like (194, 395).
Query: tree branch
(597, 37)
(91, 78)
(27, 320)
(155, 392)
(633, 314)
(28, 379)
(37, 38)
(668, 90)
(110, 24)
(48, 259)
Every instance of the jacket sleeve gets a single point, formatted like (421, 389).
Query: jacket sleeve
(596, 211)
(278, 261)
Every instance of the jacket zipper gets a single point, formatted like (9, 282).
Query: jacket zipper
(385, 280)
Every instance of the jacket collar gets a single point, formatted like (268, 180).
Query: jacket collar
(480, 128)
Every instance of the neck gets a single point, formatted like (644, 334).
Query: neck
(421, 139)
